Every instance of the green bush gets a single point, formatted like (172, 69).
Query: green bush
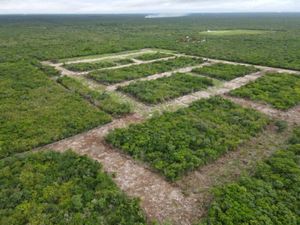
(36, 110)
(54, 188)
(152, 56)
(189, 138)
(166, 88)
(82, 67)
(104, 100)
(281, 90)
(143, 70)
(225, 71)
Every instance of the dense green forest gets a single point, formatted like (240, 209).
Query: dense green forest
(225, 72)
(281, 90)
(142, 70)
(59, 36)
(166, 88)
(53, 188)
(81, 67)
(191, 137)
(270, 196)
(108, 102)
(36, 110)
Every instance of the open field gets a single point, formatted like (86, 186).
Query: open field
(143, 70)
(117, 119)
(166, 88)
(278, 89)
(233, 32)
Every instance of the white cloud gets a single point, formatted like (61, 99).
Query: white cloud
(146, 6)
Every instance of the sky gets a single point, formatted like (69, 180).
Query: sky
(145, 6)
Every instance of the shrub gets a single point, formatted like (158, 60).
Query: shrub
(166, 88)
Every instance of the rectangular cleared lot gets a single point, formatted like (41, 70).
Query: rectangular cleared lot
(280, 90)
(177, 142)
(82, 67)
(166, 88)
(143, 70)
(225, 72)
(153, 56)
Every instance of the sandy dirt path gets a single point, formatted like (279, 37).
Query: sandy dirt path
(160, 200)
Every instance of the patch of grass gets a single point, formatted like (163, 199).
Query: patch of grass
(166, 88)
(225, 72)
(152, 56)
(281, 90)
(104, 100)
(81, 67)
(234, 32)
(143, 70)
(177, 142)
(55, 188)
(36, 110)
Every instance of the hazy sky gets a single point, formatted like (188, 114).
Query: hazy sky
(146, 6)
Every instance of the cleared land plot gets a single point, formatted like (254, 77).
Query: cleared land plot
(153, 56)
(225, 72)
(143, 70)
(270, 196)
(280, 90)
(82, 67)
(166, 88)
(36, 110)
(233, 32)
(55, 188)
(105, 101)
(176, 142)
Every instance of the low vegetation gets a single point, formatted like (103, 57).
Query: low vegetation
(54, 188)
(225, 72)
(36, 110)
(82, 67)
(270, 196)
(152, 56)
(176, 142)
(104, 100)
(143, 70)
(281, 90)
(166, 88)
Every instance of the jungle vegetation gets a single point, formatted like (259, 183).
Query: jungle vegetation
(62, 188)
(36, 110)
